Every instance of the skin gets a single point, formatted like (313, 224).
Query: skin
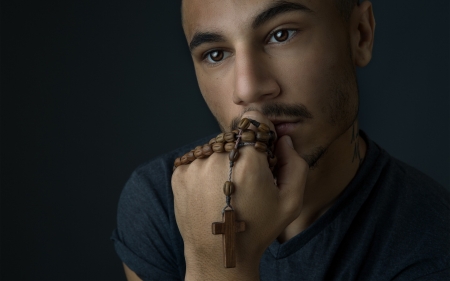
(310, 66)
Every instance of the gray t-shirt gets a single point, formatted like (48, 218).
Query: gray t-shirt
(392, 222)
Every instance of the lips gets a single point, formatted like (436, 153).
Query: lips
(284, 127)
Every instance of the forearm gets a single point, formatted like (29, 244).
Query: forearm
(131, 275)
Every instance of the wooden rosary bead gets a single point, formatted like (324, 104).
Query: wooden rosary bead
(263, 141)
(244, 124)
(207, 150)
(218, 147)
(248, 136)
(260, 146)
(262, 136)
(198, 153)
(190, 156)
(220, 138)
(229, 146)
(184, 160)
(234, 155)
(273, 161)
(228, 188)
(263, 128)
(230, 137)
(177, 162)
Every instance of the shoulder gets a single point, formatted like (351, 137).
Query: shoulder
(401, 188)
(406, 192)
(149, 186)
(412, 217)
(155, 174)
(412, 187)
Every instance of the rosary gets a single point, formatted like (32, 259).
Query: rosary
(263, 140)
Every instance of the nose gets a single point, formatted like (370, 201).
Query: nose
(253, 78)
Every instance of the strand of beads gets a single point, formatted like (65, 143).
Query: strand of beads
(263, 140)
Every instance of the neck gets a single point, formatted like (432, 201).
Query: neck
(328, 179)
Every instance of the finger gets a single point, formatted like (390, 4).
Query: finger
(262, 157)
(258, 116)
(291, 175)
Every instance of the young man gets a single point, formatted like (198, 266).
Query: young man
(341, 208)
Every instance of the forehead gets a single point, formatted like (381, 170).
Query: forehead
(199, 15)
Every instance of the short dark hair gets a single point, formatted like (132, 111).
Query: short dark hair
(345, 7)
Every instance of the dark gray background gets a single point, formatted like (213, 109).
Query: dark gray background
(91, 89)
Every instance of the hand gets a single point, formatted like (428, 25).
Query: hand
(266, 209)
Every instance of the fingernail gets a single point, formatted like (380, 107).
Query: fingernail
(289, 141)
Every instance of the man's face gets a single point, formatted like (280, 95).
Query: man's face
(290, 60)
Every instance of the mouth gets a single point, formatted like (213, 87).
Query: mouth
(285, 127)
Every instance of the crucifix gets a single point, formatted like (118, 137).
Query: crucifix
(228, 228)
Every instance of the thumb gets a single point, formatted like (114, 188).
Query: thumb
(291, 175)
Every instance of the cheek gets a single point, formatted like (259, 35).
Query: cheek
(308, 76)
(313, 75)
(217, 93)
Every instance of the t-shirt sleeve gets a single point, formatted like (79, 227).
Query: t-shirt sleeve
(428, 270)
(147, 238)
(436, 276)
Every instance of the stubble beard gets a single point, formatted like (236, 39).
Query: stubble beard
(341, 113)
(343, 107)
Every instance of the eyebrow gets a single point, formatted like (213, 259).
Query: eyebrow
(205, 37)
(279, 7)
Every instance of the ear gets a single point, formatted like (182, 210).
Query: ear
(362, 28)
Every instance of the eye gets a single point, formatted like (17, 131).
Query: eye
(216, 56)
(281, 35)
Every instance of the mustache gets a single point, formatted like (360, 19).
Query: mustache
(273, 110)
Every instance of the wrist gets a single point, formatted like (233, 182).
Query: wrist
(202, 267)
(220, 273)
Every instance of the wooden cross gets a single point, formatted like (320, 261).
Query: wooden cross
(228, 228)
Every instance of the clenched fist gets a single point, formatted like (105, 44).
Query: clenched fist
(266, 208)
